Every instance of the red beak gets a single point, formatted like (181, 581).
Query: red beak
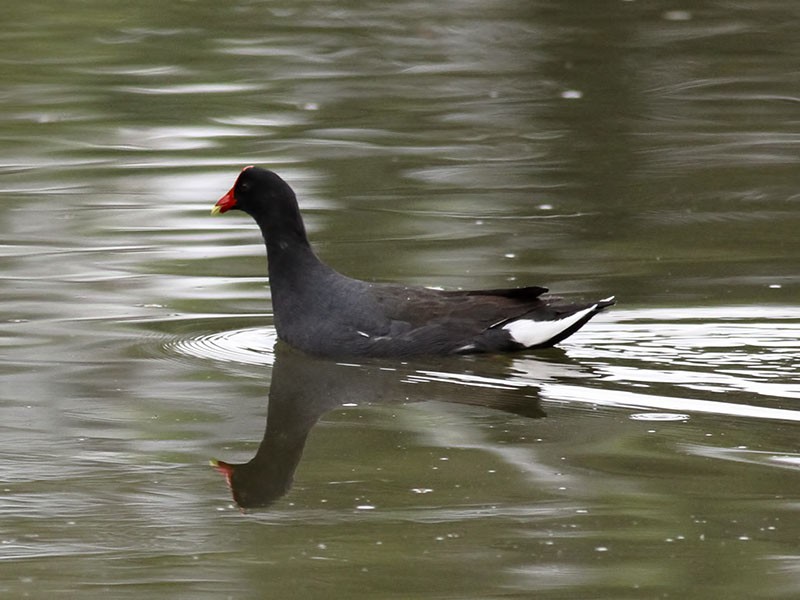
(224, 204)
(225, 468)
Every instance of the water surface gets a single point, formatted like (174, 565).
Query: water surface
(627, 148)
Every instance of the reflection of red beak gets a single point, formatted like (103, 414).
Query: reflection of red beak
(223, 467)
(224, 204)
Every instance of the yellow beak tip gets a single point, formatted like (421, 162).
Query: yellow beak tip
(215, 211)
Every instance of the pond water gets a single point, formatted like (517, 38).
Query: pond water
(642, 149)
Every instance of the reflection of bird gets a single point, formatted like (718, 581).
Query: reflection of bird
(304, 388)
(322, 312)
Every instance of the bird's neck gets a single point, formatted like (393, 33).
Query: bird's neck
(297, 281)
(296, 275)
(289, 252)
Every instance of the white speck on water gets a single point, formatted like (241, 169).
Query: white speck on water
(572, 94)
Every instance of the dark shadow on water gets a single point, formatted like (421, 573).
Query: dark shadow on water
(303, 389)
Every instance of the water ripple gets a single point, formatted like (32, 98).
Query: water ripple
(634, 355)
(190, 88)
(251, 346)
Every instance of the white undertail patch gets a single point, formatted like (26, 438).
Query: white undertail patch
(533, 333)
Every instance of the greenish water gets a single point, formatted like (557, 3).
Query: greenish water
(632, 148)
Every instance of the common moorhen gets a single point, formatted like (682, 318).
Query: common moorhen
(324, 313)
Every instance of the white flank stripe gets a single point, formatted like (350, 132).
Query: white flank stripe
(532, 333)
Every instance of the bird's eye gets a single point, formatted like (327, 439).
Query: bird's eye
(244, 186)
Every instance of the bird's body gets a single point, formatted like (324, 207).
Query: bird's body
(322, 312)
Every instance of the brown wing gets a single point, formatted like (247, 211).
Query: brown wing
(481, 308)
